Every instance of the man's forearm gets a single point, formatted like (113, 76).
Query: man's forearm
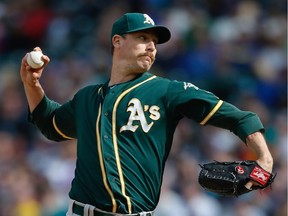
(257, 143)
(34, 95)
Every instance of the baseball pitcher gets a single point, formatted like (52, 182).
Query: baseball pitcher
(124, 127)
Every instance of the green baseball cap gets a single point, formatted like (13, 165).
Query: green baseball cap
(133, 22)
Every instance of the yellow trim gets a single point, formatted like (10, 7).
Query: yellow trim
(213, 111)
(102, 163)
(99, 90)
(116, 145)
(59, 131)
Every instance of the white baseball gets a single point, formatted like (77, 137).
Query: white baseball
(34, 59)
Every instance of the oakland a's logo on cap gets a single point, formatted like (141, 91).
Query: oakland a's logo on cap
(148, 20)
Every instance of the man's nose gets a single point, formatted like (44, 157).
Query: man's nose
(151, 46)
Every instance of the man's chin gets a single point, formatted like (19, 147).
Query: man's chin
(145, 68)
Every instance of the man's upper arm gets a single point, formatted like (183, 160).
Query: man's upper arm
(64, 121)
(54, 120)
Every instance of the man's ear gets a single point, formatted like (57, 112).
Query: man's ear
(116, 40)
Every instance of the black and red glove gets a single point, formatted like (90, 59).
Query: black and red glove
(230, 178)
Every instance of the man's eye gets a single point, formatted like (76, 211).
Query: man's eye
(142, 38)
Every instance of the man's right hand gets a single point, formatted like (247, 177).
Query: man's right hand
(29, 76)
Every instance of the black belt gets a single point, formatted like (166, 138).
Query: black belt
(79, 210)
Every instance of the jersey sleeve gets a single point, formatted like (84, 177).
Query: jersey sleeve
(186, 99)
(64, 121)
(242, 123)
(53, 119)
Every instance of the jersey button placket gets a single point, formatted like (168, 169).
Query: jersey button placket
(108, 160)
(107, 145)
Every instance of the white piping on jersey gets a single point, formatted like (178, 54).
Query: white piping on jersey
(104, 176)
(213, 111)
(116, 151)
(59, 131)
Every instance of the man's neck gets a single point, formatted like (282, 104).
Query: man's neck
(114, 80)
(120, 75)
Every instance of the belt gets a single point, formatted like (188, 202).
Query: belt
(78, 208)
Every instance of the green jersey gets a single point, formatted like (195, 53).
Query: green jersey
(124, 134)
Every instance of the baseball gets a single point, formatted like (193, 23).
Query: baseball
(34, 59)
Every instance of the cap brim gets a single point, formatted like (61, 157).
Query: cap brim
(162, 32)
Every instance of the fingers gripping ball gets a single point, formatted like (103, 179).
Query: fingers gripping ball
(34, 59)
(230, 178)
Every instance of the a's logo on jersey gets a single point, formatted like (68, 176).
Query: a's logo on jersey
(148, 20)
(137, 113)
(189, 85)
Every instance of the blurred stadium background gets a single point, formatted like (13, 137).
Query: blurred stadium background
(236, 49)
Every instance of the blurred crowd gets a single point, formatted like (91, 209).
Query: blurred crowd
(236, 49)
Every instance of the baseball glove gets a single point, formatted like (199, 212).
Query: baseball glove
(229, 178)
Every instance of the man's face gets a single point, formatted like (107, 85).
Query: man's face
(138, 49)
